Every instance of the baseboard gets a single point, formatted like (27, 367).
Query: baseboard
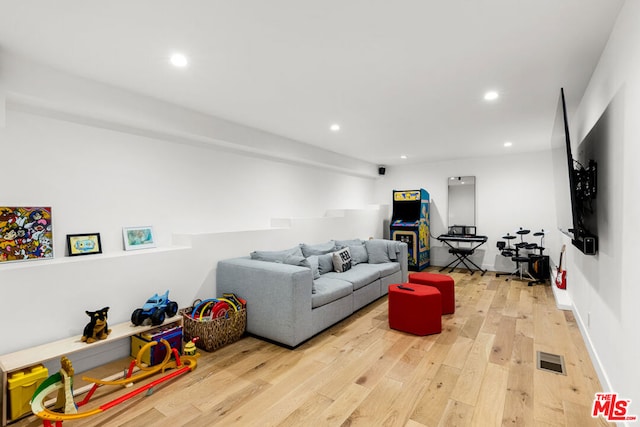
(593, 354)
(564, 302)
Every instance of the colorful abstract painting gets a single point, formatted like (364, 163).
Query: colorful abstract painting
(25, 233)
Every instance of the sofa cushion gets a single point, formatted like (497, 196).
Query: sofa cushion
(359, 276)
(385, 269)
(328, 290)
(315, 267)
(356, 248)
(276, 256)
(325, 263)
(311, 263)
(352, 242)
(341, 260)
(381, 250)
(320, 249)
(358, 254)
(296, 260)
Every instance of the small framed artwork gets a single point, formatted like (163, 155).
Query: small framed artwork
(84, 244)
(138, 238)
(26, 233)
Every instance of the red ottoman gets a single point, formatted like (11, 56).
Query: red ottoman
(444, 284)
(417, 311)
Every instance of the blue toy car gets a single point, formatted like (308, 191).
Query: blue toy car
(156, 309)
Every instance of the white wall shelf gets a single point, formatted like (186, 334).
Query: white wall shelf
(34, 263)
(563, 300)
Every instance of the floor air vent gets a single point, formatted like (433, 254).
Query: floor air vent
(551, 362)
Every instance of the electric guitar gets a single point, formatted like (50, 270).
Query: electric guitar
(561, 274)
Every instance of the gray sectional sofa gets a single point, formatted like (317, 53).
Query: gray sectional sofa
(296, 293)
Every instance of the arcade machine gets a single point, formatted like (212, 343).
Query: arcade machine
(410, 224)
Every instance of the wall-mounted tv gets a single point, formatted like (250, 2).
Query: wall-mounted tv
(576, 186)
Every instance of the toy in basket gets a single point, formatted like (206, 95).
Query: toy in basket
(216, 321)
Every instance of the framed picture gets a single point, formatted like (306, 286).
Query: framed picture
(83, 244)
(26, 233)
(138, 238)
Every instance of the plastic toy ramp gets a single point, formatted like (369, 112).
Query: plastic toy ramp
(146, 370)
(50, 385)
(189, 363)
(62, 382)
(54, 383)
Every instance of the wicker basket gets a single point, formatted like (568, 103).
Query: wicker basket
(214, 333)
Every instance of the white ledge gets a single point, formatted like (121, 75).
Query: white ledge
(563, 300)
(32, 263)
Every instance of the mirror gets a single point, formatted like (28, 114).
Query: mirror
(462, 200)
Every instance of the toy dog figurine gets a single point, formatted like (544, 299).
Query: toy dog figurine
(97, 328)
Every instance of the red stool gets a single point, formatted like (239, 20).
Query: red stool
(417, 311)
(444, 284)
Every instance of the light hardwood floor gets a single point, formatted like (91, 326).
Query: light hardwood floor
(480, 371)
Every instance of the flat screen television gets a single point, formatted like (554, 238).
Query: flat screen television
(576, 186)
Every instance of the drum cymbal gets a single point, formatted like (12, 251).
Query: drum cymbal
(521, 231)
(509, 237)
(539, 233)
(531, 246)
(521, 245)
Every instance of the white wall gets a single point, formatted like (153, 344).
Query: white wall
(512, 191)
(101, 180)
(104, 159)
(80, 147)
(604, 288)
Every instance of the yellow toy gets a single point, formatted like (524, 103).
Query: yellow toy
(190, 347)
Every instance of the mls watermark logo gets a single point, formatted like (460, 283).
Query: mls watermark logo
(611, 408)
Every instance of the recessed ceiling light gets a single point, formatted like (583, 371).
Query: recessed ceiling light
(508, 144)
(335, 127)
(403, 157)
(492, 95)
(179, 60)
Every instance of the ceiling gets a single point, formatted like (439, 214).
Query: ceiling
(404, 77)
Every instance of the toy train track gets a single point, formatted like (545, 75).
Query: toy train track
(63, 380)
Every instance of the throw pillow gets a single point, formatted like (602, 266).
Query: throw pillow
(320, 249)
(303, 262)
(377, 251)
(358, 254)
(296, 260)
(352, 242)
(315, 267)
(325, 263)
(342, 260)
(276, 256)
